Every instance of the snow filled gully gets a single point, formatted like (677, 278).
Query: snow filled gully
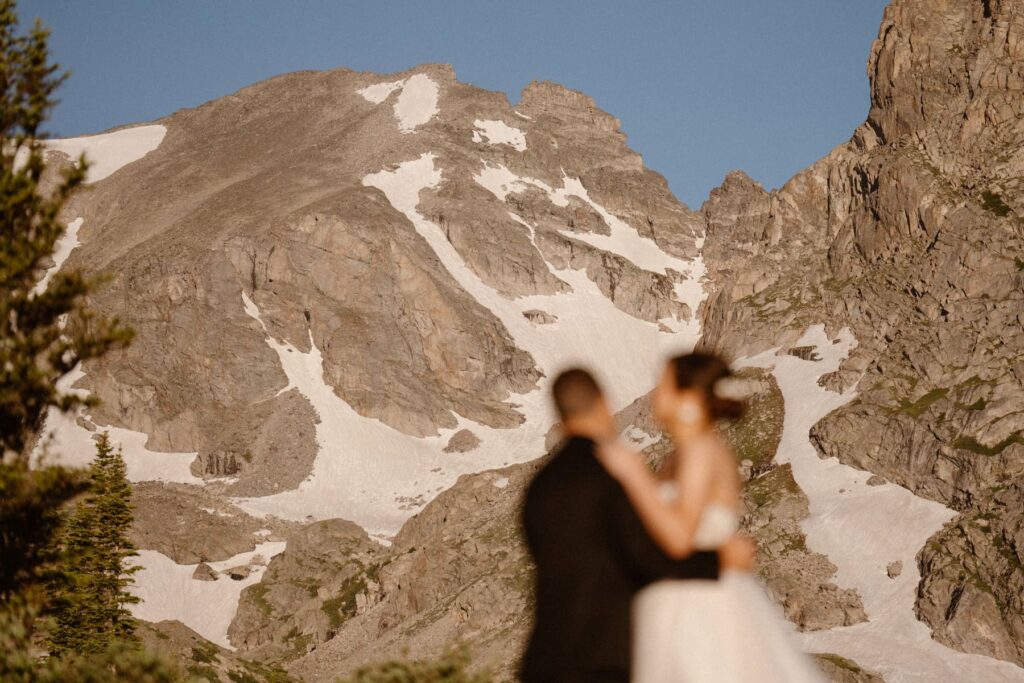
(862, 529)
(169, 591)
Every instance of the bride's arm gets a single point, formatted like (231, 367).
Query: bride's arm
(671, 525)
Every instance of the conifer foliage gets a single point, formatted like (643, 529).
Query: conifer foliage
(44, 331)
(33, 352)
(90, 609)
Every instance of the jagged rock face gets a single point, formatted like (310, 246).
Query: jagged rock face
(307, 592)
(457, 571)
(911, 235)
(973, 587)
(190, 525)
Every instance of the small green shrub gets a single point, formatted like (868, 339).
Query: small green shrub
(969, 443)
(841, 662)
(206, 653)
(452, 667)
(202, 673)
(239, 676)
(342, 607)
(921, 405)
(977, 405)
(756, 436)
(120, 662)
(993, 203)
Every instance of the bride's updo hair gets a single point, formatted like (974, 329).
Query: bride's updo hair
(705, 372)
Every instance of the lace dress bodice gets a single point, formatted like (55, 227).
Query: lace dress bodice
(717, 524)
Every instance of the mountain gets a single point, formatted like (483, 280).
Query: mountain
(351, 290)
(393, 253)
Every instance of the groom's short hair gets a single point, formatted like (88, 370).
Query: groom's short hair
(575, 391)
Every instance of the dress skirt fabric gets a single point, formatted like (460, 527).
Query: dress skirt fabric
(724, 631)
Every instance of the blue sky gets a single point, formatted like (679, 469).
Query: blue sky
(767, 86)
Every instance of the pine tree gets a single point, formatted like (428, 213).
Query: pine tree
(90, 610)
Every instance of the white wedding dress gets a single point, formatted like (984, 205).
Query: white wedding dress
(724, 631)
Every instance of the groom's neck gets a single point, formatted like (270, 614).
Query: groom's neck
(589, 428)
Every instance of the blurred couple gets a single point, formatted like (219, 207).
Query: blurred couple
(642, 576)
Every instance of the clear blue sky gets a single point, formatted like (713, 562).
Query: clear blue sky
(767, 86)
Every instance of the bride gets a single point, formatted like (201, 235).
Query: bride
(696, 631)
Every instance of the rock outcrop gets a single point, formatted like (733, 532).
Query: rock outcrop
(191, 525)
(457, 572)
(201, 660)
(842, 670)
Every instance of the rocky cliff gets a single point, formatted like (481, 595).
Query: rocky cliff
(911, 235)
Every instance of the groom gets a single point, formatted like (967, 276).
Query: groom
(591, 551)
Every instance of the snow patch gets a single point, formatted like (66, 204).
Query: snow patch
(364, 468)
(584, 314)
(64, 441)
(499, 133)
(109, 152)
(416, 103)
(500, 482)
(378, 92)
(691, 289)
(65, 245)
(862, 530)
(168, 591)
(639, 438)
(624, 239)
(502, 182)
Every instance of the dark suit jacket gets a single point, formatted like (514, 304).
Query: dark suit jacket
(592, 555)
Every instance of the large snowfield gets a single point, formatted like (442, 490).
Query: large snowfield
(370, 473)
(168, 590)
